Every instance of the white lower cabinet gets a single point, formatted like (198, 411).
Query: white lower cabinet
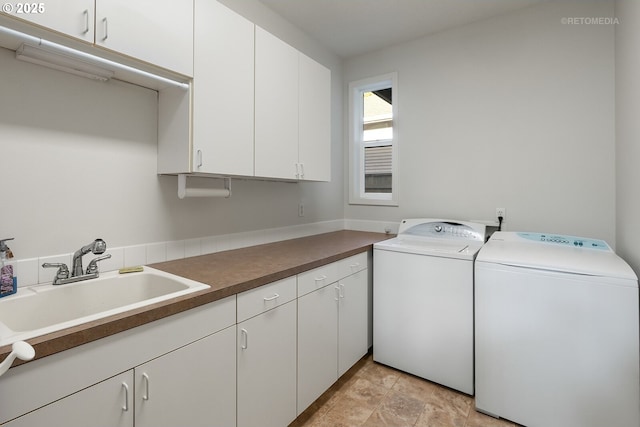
(317, 340)
(333, 324)
(267, 368)
(106, 404)
(353, 320)
(192, 386)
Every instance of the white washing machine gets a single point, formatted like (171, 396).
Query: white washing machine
(556, 332)
(423, 300)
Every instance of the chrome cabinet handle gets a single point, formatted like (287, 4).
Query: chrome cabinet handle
(145, 377)
(199, 159)
(337, 292)
(275, 296)
(318, 279)
(125, 407)
(356, 265)
(106, 28)
(86, 21)
(341, 291)
(301, 170)
(245, 336)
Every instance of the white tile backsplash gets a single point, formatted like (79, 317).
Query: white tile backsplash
(175, 250)
(27, 271)
(209, 245)
(135, 255)
(30, 271)
(156, 252)
(192, 247)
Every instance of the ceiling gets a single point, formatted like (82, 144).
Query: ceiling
(353, 27)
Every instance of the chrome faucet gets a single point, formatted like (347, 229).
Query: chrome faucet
(97, 247)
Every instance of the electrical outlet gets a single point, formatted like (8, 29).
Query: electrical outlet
(501, 212)
(301, 209)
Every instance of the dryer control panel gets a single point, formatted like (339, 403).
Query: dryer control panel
(564, 240)
(442, 229)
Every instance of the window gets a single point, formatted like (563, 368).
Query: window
(373, 142)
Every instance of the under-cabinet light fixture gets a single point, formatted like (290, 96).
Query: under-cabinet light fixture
(62, 62)
(74, 61)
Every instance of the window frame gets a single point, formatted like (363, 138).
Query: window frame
(357, 195)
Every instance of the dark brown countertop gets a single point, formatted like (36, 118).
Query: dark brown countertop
(228, 273)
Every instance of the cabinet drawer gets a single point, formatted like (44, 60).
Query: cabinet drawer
(317, 278)
(351, 265)
(264, 298)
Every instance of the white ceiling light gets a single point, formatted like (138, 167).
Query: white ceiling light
(62, 62)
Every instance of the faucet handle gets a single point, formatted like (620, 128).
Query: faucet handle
(92, 268)
(62, 273)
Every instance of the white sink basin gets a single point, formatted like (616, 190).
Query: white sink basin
(45, 309)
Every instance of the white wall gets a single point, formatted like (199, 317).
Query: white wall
(516, 111)
(628, 131)
(78, 161)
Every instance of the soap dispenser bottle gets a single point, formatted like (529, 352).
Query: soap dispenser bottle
(8, 281)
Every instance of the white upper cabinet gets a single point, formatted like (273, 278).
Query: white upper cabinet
(276, 107)
(74, 18)
(257, 108)
(293, 117)
(222, 91)
(158, 32)
(314, 124)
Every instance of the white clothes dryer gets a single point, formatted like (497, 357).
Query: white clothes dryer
(556, 332)
(423, 300)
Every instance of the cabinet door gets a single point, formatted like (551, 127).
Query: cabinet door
(314, 139)
(317, 344)
(267, 368)
(106, 404)
(223, 95)
(276, 107)
(159, 32)
(353, 320)
(192, 386)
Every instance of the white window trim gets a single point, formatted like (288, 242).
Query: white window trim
(356, 150)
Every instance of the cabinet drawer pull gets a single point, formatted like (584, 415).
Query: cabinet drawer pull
(275, 296)
(356, 265)
(337, 292)
(245, 339)
(106, 28)
(341, 291)
(318, 279)
(145, 378)
(125, 407)
(86, 21)
(301, 170)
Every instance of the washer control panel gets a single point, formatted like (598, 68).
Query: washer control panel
(564, 240)
(443, 230)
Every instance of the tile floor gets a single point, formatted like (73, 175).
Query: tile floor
(374, 395)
